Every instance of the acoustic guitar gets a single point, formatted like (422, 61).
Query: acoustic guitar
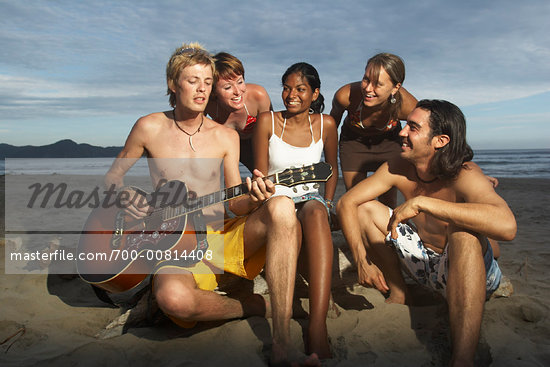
(116, 252)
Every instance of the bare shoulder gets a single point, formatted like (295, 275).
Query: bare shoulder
(149, 126)
(257, 92)
(470, 170)
(471, 185)
(402, 173)
(328, 122)
(258, 99)
(265, 115)
(151, 122)
(264, 118)
(143, 135)
(219, 131)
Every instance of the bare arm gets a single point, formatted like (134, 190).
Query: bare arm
(133, 149)
(340, 102)
(408, 104)
(260, 189)
(348, 209)
(480, 210)
(128, 156)
(331, 154)
(262, 133)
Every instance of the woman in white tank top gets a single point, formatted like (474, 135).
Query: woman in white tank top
(292, 138)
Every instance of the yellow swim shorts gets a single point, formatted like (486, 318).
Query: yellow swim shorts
(227, 256)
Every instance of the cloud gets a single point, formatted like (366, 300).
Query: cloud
(31, 98)
(107, 58)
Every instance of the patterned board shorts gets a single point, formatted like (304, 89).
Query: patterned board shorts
(429, 268)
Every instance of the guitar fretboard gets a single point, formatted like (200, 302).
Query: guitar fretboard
(192, 205)
(314, 173)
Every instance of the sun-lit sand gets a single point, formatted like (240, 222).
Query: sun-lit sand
(59, 321)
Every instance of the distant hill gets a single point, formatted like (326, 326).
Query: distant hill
(62, 149)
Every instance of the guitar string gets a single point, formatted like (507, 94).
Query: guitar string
(204, 196)
(194, 209)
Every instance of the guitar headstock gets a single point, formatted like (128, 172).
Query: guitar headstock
(318, 172)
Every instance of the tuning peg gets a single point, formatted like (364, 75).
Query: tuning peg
(295, 190)
(304, 187)
(316, 186)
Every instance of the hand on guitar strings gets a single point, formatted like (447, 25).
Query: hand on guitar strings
(260, 189)
(135, 204)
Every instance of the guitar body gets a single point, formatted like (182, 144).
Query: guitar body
(116, 252)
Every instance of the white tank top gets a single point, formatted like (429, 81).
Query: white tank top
(283, 155)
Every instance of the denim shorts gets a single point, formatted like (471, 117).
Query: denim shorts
(311, 196)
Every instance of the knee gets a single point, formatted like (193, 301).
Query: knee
(462, 241)
(341, 205)
(319, 215)
(177, 301)
(371, 209)
(280, 209)
(315, 212)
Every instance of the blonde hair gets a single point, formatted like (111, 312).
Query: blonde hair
(184, 56)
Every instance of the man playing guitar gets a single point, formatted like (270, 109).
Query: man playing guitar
(268, 232)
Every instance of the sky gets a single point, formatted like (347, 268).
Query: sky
(87, 70)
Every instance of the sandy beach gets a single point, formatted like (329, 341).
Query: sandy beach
(59, 321)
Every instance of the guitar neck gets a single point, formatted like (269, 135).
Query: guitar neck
(229, 193)
(207, 200)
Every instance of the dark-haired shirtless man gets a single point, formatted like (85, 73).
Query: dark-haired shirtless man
(439, 234)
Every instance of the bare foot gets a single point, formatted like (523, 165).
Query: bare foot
(396, 296)
(287, 356)
(311, 360)
(318, 344)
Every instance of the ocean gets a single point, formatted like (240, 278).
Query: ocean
(526, 163)
(529, 163)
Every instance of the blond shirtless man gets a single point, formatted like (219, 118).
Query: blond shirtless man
(185, 294)
(439, 234)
